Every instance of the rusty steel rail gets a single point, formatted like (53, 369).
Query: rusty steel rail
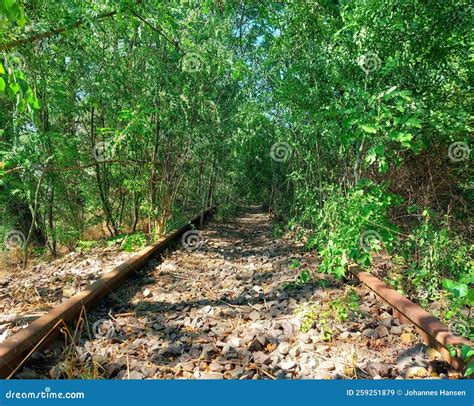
(15, 348)
(433, 331)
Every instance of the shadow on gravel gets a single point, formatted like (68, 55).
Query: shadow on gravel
(203, 344)
(206, 333)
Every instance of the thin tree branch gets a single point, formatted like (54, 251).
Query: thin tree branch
(174, 43)
(48, 34)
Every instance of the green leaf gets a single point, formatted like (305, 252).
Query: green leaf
(369, 128)
(2, 85)
(305, 275)
(13, 89)
(393, 88)
(383, 165)
(466, 352)
(2, 69)
(36, 104)
(448, 284)
(470, 297)
(469, 369)
(455, 288)
(452, 350)
(339, 272)
(403, 138)
(413, 122)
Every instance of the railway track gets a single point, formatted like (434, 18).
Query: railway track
(14, 350)
(230, 307)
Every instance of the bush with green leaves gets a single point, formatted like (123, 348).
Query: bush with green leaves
(350, 226)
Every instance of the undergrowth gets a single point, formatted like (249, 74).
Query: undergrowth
(327, 315)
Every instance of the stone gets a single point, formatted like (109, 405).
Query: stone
(385, 315)
(215, 367)
(396, 330)
(195, 350)
(211, 375)
(284, 348)
(218, 330)
(235, 341)
(168, 266)
(275, 311)
(364, 310)
(206, 309)
(69, 292)
(287, 364)
(305, 338)
(370, 332)
(207, 350)
(255, 345)
(55, 372)
(261, 358)
(306, 347)
(416, 372)
(135, 375)
(294, 352)
(382, 331)
(386, 322)
(406, 338)
(150, 370)
(231, 354)
(255, 315)
(237, 373)
(112, 370)
(188, 366)
(327, 366)
(147, 293)
(275, 359)
(377, 368)
(432, 354)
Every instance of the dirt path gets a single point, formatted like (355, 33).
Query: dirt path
(233, 308)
